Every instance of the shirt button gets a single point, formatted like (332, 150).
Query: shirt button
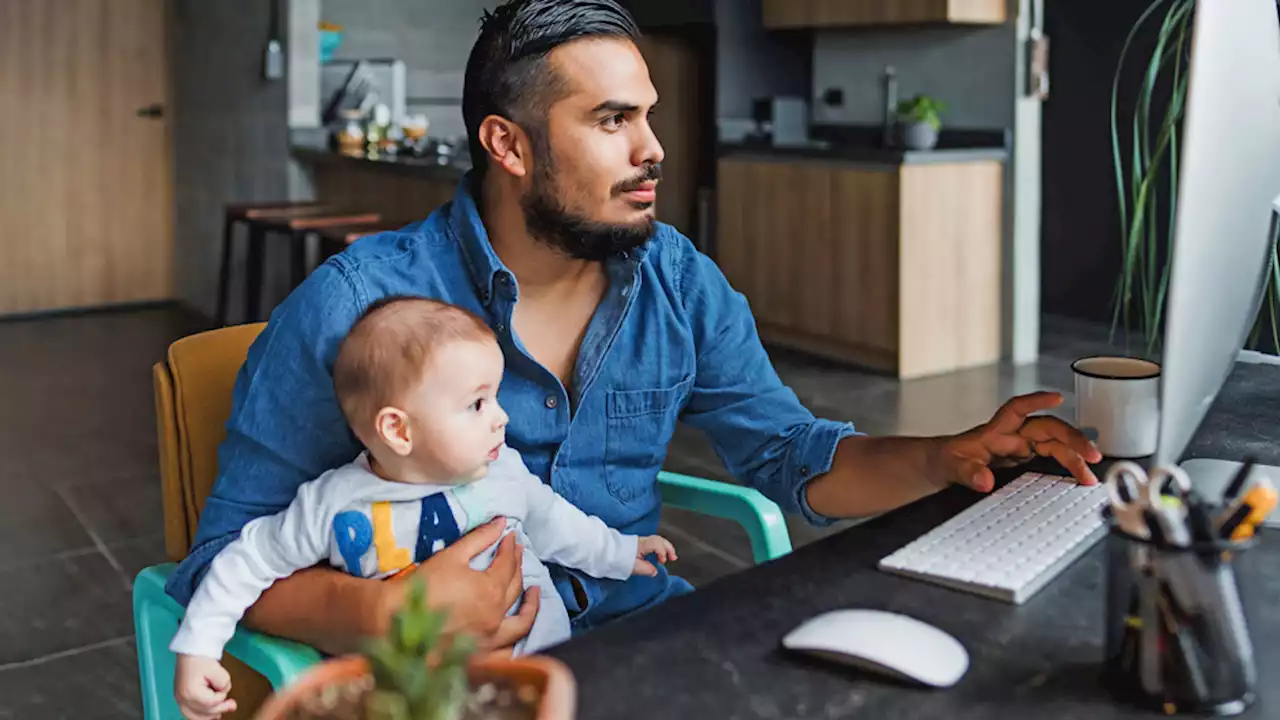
(626, 291)
(502, 328)
(552, 402)
(804, 471)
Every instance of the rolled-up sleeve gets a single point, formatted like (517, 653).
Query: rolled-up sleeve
(759, 428)
(286, 426)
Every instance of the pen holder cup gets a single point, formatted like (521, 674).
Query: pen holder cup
(1176, 637)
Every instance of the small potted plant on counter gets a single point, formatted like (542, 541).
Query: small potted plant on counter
(418, 672)
(919, 120)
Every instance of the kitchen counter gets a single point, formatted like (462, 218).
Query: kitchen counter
(863, 145)
(401, 188)
(420, 167)
(852, 154)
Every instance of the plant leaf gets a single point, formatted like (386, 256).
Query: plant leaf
(1124, 286)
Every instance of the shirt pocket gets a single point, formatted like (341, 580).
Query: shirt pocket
(638, 431)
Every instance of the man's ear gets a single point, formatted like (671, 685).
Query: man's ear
(507, 144)
(392, 427)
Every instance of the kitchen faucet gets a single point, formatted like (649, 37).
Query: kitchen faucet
(890, 104)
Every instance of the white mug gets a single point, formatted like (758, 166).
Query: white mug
(1118, 398)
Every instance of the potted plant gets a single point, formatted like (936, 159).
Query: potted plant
(919, 120)
(1147, 173)
(418, 672)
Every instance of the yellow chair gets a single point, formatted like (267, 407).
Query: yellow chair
(193, 392)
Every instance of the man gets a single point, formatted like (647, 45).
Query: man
(613, 327)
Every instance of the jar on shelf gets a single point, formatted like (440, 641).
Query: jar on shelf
(351, 135)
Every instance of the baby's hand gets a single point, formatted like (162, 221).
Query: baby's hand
(201, 685)
(657, 545)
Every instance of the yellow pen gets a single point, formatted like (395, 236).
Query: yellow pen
(1253, 508)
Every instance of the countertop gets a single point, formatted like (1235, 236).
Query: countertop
(407, 164)
(716, 653)
(864, 145)
(859, 155)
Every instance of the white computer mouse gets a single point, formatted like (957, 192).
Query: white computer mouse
(883, 642)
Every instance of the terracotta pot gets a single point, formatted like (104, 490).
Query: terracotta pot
(554, 681)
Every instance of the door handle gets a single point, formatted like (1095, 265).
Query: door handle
(154, 110)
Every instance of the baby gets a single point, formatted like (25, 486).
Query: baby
(418, 382)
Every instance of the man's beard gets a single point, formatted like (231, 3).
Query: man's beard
(579, 237)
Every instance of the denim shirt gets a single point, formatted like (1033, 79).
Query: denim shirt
(670, 341)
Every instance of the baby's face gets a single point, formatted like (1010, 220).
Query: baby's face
(458, 425)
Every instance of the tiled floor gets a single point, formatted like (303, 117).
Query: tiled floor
(82, 510)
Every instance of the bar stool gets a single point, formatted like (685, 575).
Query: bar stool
(296, 228)
(242, 213)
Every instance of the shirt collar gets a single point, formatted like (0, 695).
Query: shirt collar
(484, 264)
(482, 261)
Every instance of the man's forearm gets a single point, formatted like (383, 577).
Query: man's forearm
(872, 475)
(322, 607)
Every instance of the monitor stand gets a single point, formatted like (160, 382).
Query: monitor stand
(1210, 478)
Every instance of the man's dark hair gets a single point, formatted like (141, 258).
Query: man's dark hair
(507, 73)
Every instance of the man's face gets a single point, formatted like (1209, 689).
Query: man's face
(596, 160)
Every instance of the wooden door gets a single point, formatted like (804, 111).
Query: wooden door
(85, 181)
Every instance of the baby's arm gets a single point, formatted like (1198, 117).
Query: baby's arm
(268, 549)
(563, 534)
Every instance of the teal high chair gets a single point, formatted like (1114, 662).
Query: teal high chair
(193, 401)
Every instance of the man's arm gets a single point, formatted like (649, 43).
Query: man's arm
(873, 475)
(333, 611)
(824, 469)
(765, 437)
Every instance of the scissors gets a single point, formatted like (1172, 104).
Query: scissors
(1138, 501)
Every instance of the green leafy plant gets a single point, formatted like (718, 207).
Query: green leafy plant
(923, 109)
(1152, 163)
(419, 671)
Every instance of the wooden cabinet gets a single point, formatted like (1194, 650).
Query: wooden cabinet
(400, 195)
(851, 13)
(892, 267)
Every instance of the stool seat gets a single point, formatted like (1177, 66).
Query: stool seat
(242, 213)
(254, 210)
(295, 221)
(316, 221)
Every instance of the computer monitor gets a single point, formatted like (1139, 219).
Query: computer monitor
(1223, 229)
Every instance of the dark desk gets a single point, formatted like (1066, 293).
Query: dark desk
(716, 653)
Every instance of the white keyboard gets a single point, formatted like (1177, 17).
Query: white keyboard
(1012, 542)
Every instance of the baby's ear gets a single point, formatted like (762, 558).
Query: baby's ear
(392, 427)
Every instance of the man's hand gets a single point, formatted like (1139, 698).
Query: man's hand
(201, 685)
(1011, 437)
(477, 600)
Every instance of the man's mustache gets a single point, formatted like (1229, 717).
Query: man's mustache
(651, 172)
